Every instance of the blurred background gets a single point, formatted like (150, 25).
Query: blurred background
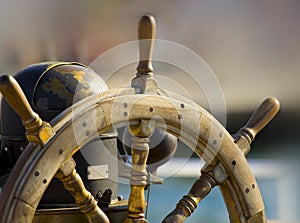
(253, 48)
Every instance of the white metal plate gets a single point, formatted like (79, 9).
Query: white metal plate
(97, 172)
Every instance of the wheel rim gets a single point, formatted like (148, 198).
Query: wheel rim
(243, 202)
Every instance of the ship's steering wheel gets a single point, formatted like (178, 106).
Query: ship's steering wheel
(49, 153)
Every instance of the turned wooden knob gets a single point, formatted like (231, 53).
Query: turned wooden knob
(260, 118)
(13, 94)
(146, 34)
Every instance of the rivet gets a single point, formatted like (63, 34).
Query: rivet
(37, 173)
(233, 162)
(215, 142)
(125, 105)
(99, 195)
(60, 151)
(84, 124)
(151, 109)
(182, 105)
(87, 133)
(220, 134)
(44, 181)
(253, 186)
(247, 190)
(179, 116)
(125, 114)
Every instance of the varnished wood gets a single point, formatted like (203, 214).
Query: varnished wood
(83, 198)
(144, 83)
(40, 132)
(258, 120)
(146, 34)
(110, 112)
(185, 207)
(261, 117)
(36, 130)
(13, 94)
(138, 180)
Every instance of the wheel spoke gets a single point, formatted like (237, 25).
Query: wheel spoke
(187, 205)
(83, 198)
(138, 180)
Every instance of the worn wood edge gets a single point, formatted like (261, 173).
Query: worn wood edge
(106, 124)
(16, 178)
(67, 115)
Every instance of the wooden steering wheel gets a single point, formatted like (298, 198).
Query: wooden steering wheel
(49, 153)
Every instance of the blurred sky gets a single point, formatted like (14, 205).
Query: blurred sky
(253, 47)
